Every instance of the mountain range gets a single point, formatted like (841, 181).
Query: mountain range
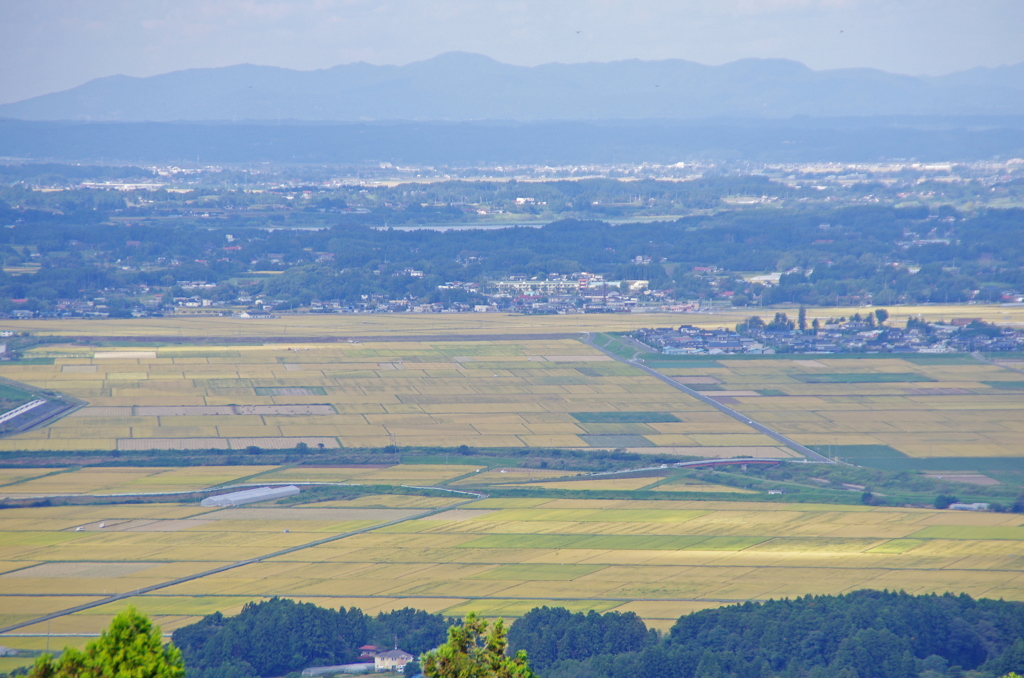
(459, 86)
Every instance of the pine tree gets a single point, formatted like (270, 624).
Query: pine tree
(474, 652)
(130, 648)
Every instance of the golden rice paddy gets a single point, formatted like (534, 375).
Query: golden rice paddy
(486, 391)
(950, 409)
(477, 393)
(494, 556)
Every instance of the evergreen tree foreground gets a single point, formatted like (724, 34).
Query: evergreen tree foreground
(476, 650)
(130, 648)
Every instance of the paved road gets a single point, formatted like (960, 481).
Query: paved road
(224, 568)
(760, 428)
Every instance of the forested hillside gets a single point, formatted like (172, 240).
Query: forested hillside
(550, 635)
(865, 634)
(280, 636)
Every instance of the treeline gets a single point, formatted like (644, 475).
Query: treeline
(553, 634)
(865, 634)
(279, 636)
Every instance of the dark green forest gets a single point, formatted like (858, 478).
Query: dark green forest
(550, 635)
(280, 636)
(864, 634)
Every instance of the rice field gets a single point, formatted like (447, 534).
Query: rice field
(919, 406)
(486, 394)
(124, 480)
(541, 391)
(107, 481)
(493, 556)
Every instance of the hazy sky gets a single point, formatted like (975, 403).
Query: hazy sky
(50, 45)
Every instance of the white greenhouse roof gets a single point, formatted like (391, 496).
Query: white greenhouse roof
(250, 496)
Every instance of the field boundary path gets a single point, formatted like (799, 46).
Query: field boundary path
(757, 426)
(977, 355)
(224, 568)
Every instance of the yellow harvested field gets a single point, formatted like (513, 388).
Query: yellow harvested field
(480, 393)
(942, 406)
(495, 556)
(116, 480)
(485, 391)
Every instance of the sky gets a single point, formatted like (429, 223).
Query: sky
(52, 45)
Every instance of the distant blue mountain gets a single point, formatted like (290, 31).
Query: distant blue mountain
(462, 87)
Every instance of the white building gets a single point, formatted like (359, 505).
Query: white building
(392, 660)
(250, 496)
(977, 506)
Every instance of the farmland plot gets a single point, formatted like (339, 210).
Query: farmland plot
(494, 556)
(537, 393)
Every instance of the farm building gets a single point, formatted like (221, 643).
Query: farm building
(250, 496)
(976, 506)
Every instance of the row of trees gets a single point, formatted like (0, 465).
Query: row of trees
(552, 634)
(865, 634)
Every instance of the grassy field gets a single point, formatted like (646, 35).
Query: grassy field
(495, 556)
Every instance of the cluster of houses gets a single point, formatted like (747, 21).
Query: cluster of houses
(567, 294)
(687, 339)
(844, 336)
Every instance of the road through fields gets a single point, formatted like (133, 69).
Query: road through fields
(231, 566)
(810, 454)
